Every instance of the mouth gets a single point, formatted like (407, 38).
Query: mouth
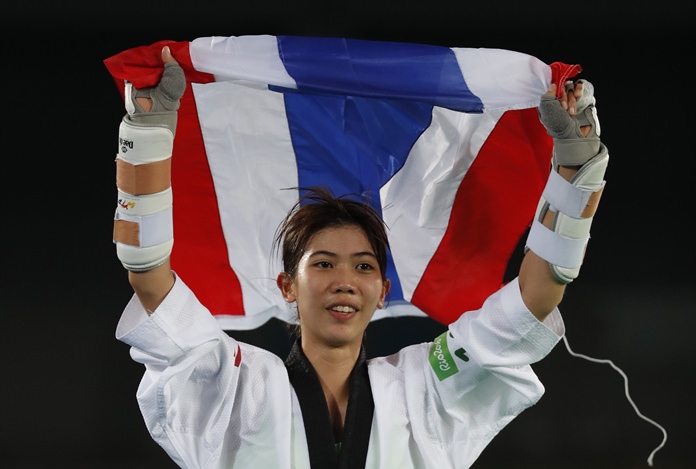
(343, 309)
(342, 312)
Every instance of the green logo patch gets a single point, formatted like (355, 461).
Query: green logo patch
(441, 359)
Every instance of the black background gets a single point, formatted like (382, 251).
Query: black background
(68, 387)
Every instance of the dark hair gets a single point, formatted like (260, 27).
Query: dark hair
(319, 208)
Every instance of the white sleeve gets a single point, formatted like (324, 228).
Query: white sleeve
(505, 333)
(466, 385)
(198, 393)
(492, 350)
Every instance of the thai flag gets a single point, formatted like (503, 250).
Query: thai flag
(445, 142)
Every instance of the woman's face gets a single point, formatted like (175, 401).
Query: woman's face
(337, 287)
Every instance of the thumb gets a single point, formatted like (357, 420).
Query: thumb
(167, 55)
(171, 87)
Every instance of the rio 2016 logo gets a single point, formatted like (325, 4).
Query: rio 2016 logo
(441, 359)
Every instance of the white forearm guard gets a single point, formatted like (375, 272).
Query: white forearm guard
(143, 225)
(574, 203)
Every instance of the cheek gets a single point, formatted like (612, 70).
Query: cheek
(378, 291)
(304, 289)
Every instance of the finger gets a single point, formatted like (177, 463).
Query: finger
(573, 98)
(552, 90)
(571, 103)
(570, 97)
(167, 55)
(564, 96)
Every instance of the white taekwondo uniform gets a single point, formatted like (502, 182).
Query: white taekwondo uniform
(213, 402)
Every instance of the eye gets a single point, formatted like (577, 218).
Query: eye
(365, 266)
(323, 264)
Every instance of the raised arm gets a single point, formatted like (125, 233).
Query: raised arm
(143, 225)
(561, 228)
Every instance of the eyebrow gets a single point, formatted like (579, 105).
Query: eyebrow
(333, 254)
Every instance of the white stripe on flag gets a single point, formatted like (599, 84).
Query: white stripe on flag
(248, 58)
(250, 154)
(503, 79)
(418, 200)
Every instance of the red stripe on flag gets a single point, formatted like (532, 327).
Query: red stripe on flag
(200, 254)
(493, 208)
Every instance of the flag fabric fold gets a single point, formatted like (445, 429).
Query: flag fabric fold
(444, 142)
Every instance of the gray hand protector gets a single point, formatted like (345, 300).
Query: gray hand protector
(165, 99)
(571, 147)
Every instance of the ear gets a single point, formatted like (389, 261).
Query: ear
(386, 286)
(286, 286)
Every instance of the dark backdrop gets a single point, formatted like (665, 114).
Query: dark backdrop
(68, 387)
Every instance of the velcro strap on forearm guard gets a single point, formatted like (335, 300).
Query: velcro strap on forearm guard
(574, 202)
(143, 230)
(141, 205)
(554, 248)
(144, 241)
(570, 199)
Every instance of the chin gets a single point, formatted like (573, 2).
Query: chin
(342, 340)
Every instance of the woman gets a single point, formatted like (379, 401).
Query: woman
(211, 401)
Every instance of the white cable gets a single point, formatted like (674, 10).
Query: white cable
(609, 362)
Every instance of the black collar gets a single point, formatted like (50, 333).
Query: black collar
(315, 413)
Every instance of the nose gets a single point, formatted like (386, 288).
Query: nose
(343, 282)
(343, 288)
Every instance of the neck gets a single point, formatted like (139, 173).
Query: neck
(333, 367)
(332, 364)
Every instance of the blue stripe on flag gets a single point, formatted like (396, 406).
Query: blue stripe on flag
(354, 145)
(415, 72)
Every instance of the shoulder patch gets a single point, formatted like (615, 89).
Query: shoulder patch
(441, 359)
